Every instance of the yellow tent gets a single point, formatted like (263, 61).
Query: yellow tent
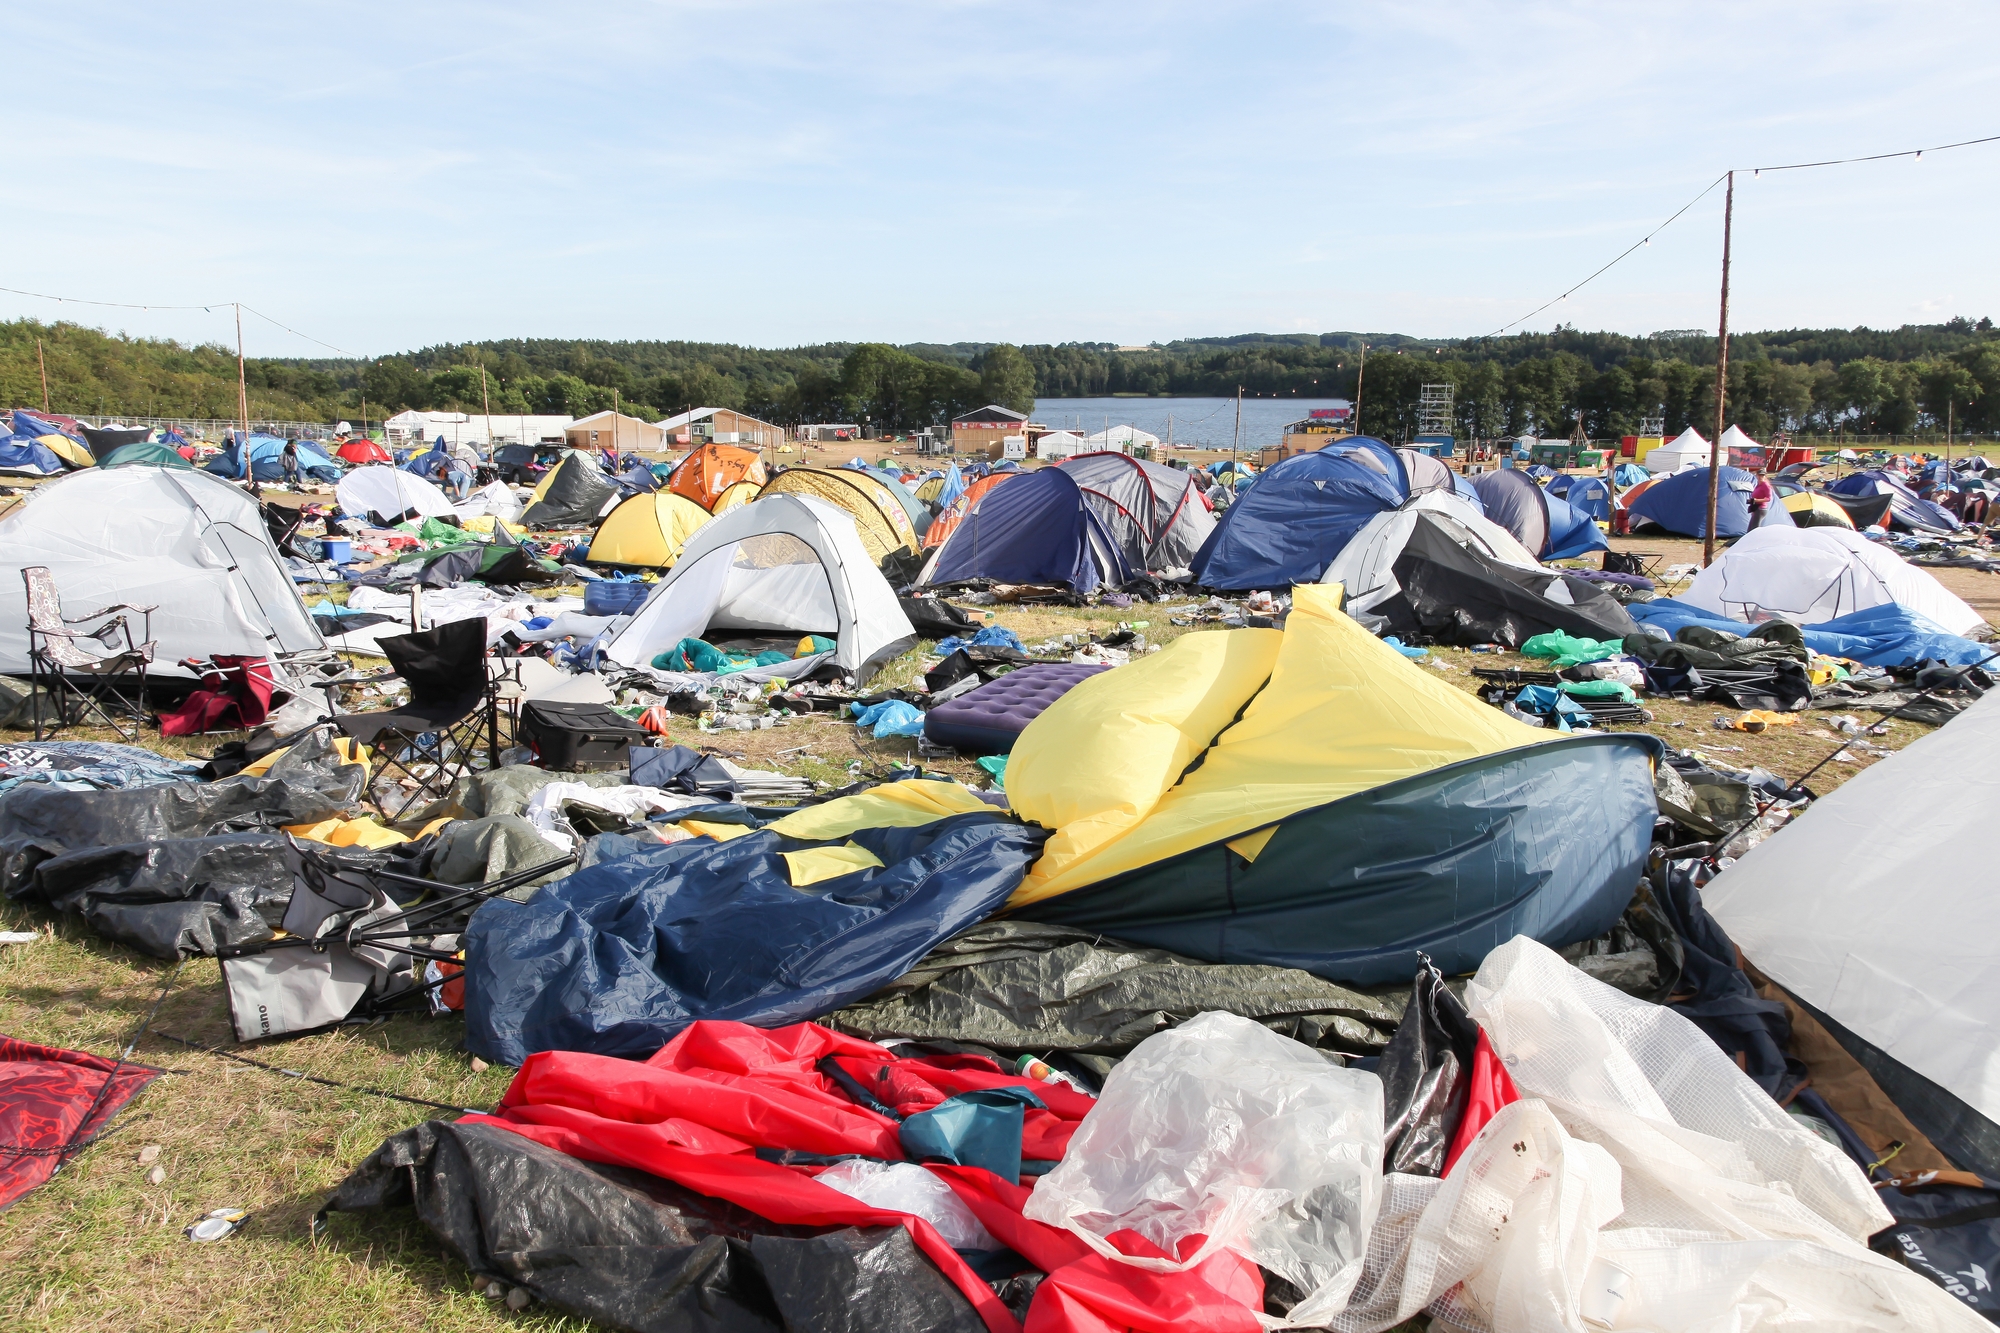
(741, 493)
(647, 530)
(72, 453)
(1810, 509)
(879, 517)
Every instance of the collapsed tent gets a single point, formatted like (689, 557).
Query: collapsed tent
(954, 513)
(647, 531)
(1545, 524)
(389, 492)
(1907, 513)
(145, 452)
(267, 459)
(1434, 568)
(1037, 529)
(1808, 575)
(1347, 807)
(879, 517)
(104, 440)
(1154, 513)
(1302, 511)
(788, 564)
(711, 469)
(24, 455)
(1679, 504)
(1886, 635)
(574, 494)
(184, 542)
(1871, 910)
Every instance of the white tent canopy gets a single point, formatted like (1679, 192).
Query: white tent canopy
(1734, 438)
(1061, 444)
(1120, 439)
(1808, 575)
(1685, 450)
(389, 491)
(1875, 908)
(189, 544)
(785, 564)
(1366, 566)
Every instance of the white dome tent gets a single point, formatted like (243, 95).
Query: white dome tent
(389, 491)
(189, 544)
(1808, 575)
(785, 564)
(1365, 567)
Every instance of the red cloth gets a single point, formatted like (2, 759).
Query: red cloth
(49, 1101)
(1491, 1088)
(234, 697)
(698, 1109)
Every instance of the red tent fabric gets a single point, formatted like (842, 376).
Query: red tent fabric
(697, 1112)
(359, 451)
(51, 1102)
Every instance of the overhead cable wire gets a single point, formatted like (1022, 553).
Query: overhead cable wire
(209, 307)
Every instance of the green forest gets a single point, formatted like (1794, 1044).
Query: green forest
(1807, 381)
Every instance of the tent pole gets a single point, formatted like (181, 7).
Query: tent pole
(1721, 377)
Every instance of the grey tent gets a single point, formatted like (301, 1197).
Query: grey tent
(1154, 513)
(574, 495)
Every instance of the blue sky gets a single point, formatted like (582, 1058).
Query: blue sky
(383, 177)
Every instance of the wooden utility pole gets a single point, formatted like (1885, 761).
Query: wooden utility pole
(1360, 375)
(243, 399)
(1236, 442)
(486, 405)
(43, 362)
(1721, 377)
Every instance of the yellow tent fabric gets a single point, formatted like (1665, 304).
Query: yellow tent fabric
(817, 863)
(357, 832)
(344, 746)
(742, 493)
(903, 804)
(929, 489)
(72, 453)
(1821, 511)
(1342, 713)
(647, 530)
(719, 832)
(879, 517)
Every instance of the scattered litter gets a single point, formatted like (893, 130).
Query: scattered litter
(19, 936)
(219, 1223)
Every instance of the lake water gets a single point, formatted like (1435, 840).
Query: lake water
(1207, 422)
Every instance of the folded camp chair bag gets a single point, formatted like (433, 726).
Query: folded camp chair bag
(283, 991)
(578, 737)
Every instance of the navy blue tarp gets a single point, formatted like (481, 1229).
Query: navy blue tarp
(1038, 530)
(26, 455)
(1288, 527)
(618, 958)
(1885, 636)
(1679, 504)
(1906, 511)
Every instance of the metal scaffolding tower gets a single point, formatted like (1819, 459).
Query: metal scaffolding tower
(1434, 410)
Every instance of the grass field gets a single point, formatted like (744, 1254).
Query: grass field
(98, 1248)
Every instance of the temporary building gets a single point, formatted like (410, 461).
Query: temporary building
(647, 531)
(1545, 524)
(1307, 797)
(1436, 568)
(879, 517)
(740, 493)
(390, 492)
(1685, 450)
(1873, 911)
(1907, 512)
(267, 459)
(361, 451)
(1679, 504)
(176, 539)
(573, 494)
(1121, 439)
(1808, 575)
(1155, 513)
(789, 564)
(1061, 444)
(150, 452)
(710, 470)
(1039, 528)
(947, 522)
(1288, 527)
(1589, 496)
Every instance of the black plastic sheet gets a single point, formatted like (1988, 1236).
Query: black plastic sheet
(1425, 1073)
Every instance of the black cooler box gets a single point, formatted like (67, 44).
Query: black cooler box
(578, 738)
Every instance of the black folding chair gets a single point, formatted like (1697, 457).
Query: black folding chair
(78, 680)
(432, 740)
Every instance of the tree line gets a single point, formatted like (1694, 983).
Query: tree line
(1823, 381)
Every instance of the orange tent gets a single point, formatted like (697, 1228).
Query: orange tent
(941, 526)
(712, 469)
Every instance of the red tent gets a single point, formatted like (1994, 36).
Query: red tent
(359, 450)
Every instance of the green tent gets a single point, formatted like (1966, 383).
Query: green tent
(158, 455)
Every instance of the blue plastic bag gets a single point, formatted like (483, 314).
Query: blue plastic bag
(892, 717)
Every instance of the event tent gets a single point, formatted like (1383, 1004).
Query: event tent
(879, 516)
(788, 564)
(646, 531)
(177, 539)
(361, 451)
(1155, 513)
(1872, 910)
(574, 493)
(1679, 504)
(1290, 525)
(390, 492)
(267, 458)
(1685, 450)
(1545, 524)
(1039, 528)
(711, 469)
(1906, 511)
(1347, 808)
(1808, 575)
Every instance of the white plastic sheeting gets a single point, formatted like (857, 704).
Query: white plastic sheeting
(1643, 1182)
(905, 1187)
(1366, 566)
(188, 543)
(1876, 907)
(1225, 1129)
(1808, 575)
(389, 491)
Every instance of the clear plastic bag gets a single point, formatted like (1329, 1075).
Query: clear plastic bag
(1224, 1129)
(905, 1187)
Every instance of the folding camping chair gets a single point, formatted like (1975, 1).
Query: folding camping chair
(73, 675)
(431, 740)
(351, 950)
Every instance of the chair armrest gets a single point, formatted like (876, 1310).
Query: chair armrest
(102, 612)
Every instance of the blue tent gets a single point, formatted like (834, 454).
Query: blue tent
(954, 486)
(28, 422)
(1906, 511)
(1679, 504)
(1589, 496)
(1039, 529)
(1539, 471)
(24, 455)
(267, 454)
(1299, 515)
(1629, 474)
(1885, 636)
(1544, 523)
